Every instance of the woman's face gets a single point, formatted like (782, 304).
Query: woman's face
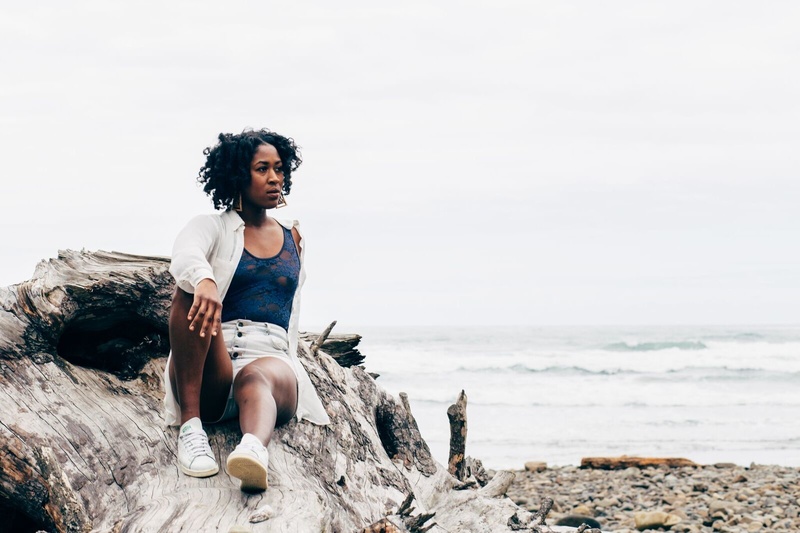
(266, 178)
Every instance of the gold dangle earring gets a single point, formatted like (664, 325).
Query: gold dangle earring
(237, 204)
(281, 202)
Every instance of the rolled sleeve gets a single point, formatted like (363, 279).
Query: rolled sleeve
(192, 250)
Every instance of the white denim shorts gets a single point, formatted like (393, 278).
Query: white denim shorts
(245, 341)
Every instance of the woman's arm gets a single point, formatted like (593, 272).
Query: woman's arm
(189, 265)
(194, 275)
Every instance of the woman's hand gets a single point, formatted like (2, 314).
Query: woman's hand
(206, 309)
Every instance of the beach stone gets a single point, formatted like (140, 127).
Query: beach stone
(607, 502)
(735, 506)
(582, 510)
(575, 520)
(725, 506)
(680, 514)
(535, 466)
(669, 499)
(654, 520)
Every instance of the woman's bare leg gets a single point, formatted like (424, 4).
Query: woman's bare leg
(266, 392)
(200, 368)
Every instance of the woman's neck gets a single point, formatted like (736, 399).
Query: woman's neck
(254, 216)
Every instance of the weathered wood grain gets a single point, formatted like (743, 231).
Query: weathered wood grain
(457, 415)
(83, 446)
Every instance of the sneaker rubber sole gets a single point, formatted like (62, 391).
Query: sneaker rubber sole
(249, 470)
(199, 473)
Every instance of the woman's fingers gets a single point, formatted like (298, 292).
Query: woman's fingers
(206, 310)
(205, 315)
(196, 317)
(217, 321)
(208, 319)
(193, 310)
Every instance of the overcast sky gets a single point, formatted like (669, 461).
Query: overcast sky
(466, 162)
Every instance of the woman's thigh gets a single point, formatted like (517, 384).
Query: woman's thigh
(217, 380)
(277, 377)
(215, 386)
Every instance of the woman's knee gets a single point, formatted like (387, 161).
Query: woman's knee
(251, 377)
(271, 377)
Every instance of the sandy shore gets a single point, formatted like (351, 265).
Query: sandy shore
(721, 498)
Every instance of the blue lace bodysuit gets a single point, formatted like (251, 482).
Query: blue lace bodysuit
(262, 290)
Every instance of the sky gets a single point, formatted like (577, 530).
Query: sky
(465, 163)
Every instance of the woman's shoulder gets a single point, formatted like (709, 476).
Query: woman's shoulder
(204, 222)
(215, 221)
(293, 226)
(288, 223)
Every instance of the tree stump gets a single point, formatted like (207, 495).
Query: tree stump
(85, 448)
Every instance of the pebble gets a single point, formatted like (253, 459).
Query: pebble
(723, 498)
(655, 520)
(265, 512)
(535, 466)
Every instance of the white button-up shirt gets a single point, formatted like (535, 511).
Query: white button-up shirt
(210, 247)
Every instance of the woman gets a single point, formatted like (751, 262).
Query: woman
(233, 322)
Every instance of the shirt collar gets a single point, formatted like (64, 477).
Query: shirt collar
(232, 217)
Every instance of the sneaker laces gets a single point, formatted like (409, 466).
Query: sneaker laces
(197, 443)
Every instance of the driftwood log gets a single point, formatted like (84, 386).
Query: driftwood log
(625, 461)
(83, 446)
(457, 415)
(342, 346)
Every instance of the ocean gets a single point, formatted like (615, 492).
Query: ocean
(557, 394)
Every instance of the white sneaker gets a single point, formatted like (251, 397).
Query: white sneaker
(248, 462)
(194, 454)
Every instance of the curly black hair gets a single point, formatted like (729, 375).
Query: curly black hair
(227, 168)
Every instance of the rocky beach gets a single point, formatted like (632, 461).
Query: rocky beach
(702, 499)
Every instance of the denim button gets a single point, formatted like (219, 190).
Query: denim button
(240, 324)
(239, 334)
